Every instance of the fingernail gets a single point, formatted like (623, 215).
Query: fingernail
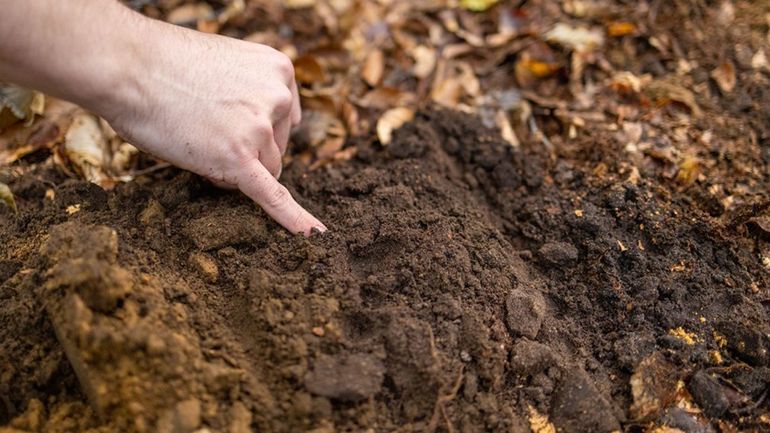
(318, 230)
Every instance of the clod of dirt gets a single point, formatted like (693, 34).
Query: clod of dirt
(226, 227)
(530, 357)
(709, 394)
(524, 312)
(345, 377)
(579, 407)
(748, 344)
(558, 253)
(205, 265)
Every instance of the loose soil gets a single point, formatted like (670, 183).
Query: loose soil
(464, 286)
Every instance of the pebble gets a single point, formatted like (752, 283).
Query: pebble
(187, 415)
(345, 377)
(579, 407)
(205, 266)
(708, 394)
(525, 309)
(530, 357)
(153, 213)
(558, 253)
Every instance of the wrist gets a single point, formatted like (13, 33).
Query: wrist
(116, 73)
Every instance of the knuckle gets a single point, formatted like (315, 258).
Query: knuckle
(285, 65)
(277, 196)
(283, 100)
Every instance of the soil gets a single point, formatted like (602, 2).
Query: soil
(465, 285)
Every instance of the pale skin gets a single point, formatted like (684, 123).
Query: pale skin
(216, 106)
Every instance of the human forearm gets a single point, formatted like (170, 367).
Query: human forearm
(79, 50)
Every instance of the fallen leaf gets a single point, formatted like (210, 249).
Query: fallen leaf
(759, 61)
(190, 13)
(477, 5)
(6, 196)
(654, 385)
(664, 92)
(386, 97)
(308, 70)
(620, 28)
(724, 75)
(424, 61)
(689, 169)
(21, 103)
(232, 10)
(373, 68)
(85, 147)
(577, 38)
(506, 130)
(298, 4)
(392, 120)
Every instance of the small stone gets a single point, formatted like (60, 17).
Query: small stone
(558, 253)
(187, 415)
(205, 266)
(345, 377)
(318, 331)
(579, 407)
(530, 357)
(708, 394)
(153, 213)
(525, 311)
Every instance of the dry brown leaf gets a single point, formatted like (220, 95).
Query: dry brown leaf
(386, 97)
(724, 75)
(620, 28)
(478, 5)
(330, 147)
(190, 13)
(373, 68)
(6, 196)
(506, 130)
(18, 103)
(308, 70)
(392, 120)
(85, 147)
(577, 38)
(298, 4)
(664, 92)
(654, 385)
(232, 10)
(20, 140)
(689, 169)
(424, 61)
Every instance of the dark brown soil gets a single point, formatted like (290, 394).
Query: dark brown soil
(464, 286)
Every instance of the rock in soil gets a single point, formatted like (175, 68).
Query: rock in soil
(708, 393)
(525, 309)
(346, 377)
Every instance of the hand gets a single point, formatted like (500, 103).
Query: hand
(216, 106)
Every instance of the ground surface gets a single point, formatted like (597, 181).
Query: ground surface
(610, 280)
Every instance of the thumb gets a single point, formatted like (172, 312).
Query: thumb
(257, 183)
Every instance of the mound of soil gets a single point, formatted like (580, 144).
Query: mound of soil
(464, 285)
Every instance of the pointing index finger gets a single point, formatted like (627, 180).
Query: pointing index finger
(275, 199)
